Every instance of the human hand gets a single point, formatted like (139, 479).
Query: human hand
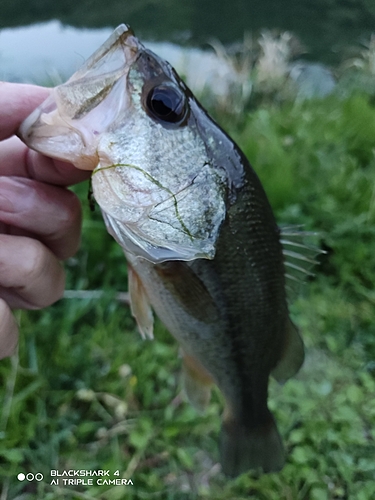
(40, 220)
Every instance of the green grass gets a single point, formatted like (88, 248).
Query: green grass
(85, 392)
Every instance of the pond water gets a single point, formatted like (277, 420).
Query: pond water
(31, 51)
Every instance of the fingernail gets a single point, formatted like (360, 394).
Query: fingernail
(13, 194)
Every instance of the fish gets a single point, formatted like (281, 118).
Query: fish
(203, 247)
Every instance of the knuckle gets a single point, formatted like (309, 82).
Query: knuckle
(31, 272)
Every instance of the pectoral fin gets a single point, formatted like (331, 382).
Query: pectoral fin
(292, 357)
(140, 305)
(188, 290)
(197, 382)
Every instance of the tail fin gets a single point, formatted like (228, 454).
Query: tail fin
(243, 448)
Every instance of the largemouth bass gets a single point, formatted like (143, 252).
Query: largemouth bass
(199, 234)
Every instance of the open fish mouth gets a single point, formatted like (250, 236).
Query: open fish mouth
(69, 123)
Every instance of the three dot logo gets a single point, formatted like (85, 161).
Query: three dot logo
(30, 476)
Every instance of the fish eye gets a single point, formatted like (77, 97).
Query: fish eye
(167, 103)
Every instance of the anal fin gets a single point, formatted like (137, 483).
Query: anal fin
(140, 305)
(293, 355)
(197, 382)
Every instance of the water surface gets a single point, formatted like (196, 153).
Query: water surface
(326, 27)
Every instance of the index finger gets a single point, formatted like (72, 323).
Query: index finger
(17, 160)
(17, 101)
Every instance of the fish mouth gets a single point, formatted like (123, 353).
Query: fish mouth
(68, 124)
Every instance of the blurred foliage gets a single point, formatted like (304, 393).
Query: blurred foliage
(85, 392)
(325, 26)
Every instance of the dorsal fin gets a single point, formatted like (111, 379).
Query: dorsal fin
(299, 256)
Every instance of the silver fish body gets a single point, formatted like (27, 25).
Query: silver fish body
(197, 229)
